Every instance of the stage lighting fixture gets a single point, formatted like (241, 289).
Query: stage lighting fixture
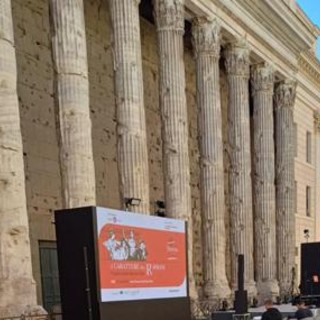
(160, 214)
(160, 204)
(131, 202)
(160, 211)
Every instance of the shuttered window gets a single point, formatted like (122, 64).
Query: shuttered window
(308, 201)
(309, 147)
(49, 274)
(295, 197)
(295, 143)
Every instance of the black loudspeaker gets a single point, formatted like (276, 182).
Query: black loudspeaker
(241, 302)
(241, 295)
(240, 272)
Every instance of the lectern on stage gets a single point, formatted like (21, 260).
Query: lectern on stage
(117, 265)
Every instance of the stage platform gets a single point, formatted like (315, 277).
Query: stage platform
(287, 311)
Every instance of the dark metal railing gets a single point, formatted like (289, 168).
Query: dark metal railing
(201, 310)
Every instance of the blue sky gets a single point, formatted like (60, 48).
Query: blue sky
(312, 9)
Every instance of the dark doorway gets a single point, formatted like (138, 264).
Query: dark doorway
(49, 274)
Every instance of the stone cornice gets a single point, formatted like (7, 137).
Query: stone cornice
(284, 23)
(262, 78)
(305, 20)
(206, 37)
(285, 94)
(169, 14)
(310, 66)
(237, 59)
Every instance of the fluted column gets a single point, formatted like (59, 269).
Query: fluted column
(169, 16)
(240, 186)
(263, 179)
(285, 217)
(131, 124)
(206, 39)
(72, 95)
(17, 287)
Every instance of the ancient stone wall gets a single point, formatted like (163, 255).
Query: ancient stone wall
(102, 102)
(153, 118)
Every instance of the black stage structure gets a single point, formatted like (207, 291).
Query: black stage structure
(79, 277)
(310, 274)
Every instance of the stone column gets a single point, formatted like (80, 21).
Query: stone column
(206, 38)
(263, 179)
(169, 16)
(131, 123)
(317, 165)
(17, 287)
(240, 186)
(285, 217)
(72, 95)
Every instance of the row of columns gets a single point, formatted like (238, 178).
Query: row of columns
(268, 212)
(77, 165)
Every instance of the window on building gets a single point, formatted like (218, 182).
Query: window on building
(309, 147)
(295, 145)
(49, 274)
(308, 201)
(295, 197)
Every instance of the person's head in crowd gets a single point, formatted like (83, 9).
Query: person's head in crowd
(301, 304)
(268, 303)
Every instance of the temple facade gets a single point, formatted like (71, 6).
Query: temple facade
(211, 106)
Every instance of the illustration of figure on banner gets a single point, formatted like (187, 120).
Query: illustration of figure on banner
(126, 248)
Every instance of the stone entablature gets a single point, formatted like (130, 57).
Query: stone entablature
(275, 33)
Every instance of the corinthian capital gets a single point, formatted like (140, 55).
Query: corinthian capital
(285, 94)
(206, 37)
(316, 117)
(262, 77)
(237, 60)
(169, 14)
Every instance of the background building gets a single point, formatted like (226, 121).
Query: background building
(84, 63)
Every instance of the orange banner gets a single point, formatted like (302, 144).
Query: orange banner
(132, 257)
